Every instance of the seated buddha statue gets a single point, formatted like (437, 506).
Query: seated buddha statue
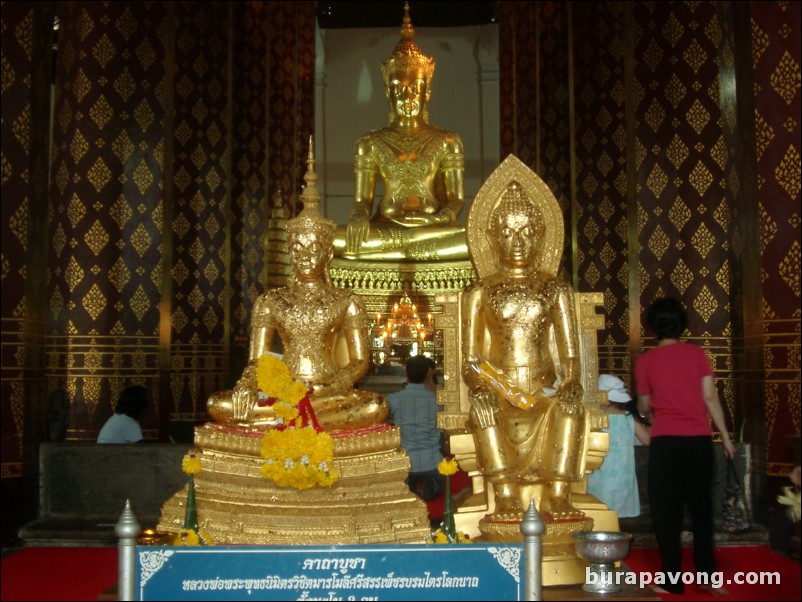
(524, 432)
(310, 316)
(421, 167)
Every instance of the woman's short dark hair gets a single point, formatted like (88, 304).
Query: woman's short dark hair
(132, 401)
(666, 318)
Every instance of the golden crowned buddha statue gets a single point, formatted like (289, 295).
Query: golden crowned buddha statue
(519, 336)
(252, 487)
(316, 323)
(421, 168)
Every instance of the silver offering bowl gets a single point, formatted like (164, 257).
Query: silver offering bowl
(601, 550)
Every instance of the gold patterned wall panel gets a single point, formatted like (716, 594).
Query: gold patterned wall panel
(518, 59)
(776, 59)
(737, 118)
(272, 120)
(201, 201)
(291, 95)
(249, 165)
(26, 67)
(682, 168)
(601, 178)
(106, 191)
(555, 131)
(534, 102)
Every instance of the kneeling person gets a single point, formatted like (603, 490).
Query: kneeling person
(414, 410)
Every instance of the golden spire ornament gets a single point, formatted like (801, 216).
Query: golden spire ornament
(310, 219)
(407, 55)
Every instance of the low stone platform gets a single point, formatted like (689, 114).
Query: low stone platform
(83, 488)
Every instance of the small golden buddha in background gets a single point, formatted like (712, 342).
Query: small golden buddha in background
(421, 168)
(525, 433)
(309, 315)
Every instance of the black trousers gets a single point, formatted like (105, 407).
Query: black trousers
(681, 473)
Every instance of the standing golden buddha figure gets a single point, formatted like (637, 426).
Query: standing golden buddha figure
(421, 168)
(254, 486)
(519, 336)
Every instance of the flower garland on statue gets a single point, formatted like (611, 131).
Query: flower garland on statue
(299, 453)
(447, 533)
(191, 534)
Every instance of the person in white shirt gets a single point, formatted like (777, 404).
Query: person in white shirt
(123, 426)
(615, 482)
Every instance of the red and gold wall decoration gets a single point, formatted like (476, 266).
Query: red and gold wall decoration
(636, 116)
(134, 247)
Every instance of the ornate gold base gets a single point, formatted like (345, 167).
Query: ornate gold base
(236, 505)
(557, 532)
(561, 565)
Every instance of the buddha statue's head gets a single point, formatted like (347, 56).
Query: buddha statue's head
(408, 75)
(516, 228)
(310, 242)
(310, 235)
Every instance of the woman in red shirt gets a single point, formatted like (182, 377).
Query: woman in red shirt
(677, 394)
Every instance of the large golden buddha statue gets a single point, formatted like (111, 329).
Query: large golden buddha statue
(519, 335)
(421, 168)
(314, 321)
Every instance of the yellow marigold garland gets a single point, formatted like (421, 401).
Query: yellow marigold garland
(298, 453)
(274, 378)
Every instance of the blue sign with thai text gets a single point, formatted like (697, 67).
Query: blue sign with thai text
(359, 572)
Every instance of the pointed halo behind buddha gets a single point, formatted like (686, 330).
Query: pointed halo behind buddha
(512, 182)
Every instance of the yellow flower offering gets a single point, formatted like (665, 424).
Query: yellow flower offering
(299, 458)
(274, 378)
(190, 537)
(440, 536)
(448, 467)
(191, 464)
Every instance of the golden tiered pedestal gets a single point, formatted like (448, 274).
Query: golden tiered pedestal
(236, 505)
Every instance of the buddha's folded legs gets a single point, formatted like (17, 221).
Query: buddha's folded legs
(358, 409)
(547, 449)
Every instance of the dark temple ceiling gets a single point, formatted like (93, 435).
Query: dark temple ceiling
(333, 15)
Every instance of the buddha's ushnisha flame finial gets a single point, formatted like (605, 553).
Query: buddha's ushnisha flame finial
(407, 55)
(407, 31)
(310, 194)
(310, 219)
